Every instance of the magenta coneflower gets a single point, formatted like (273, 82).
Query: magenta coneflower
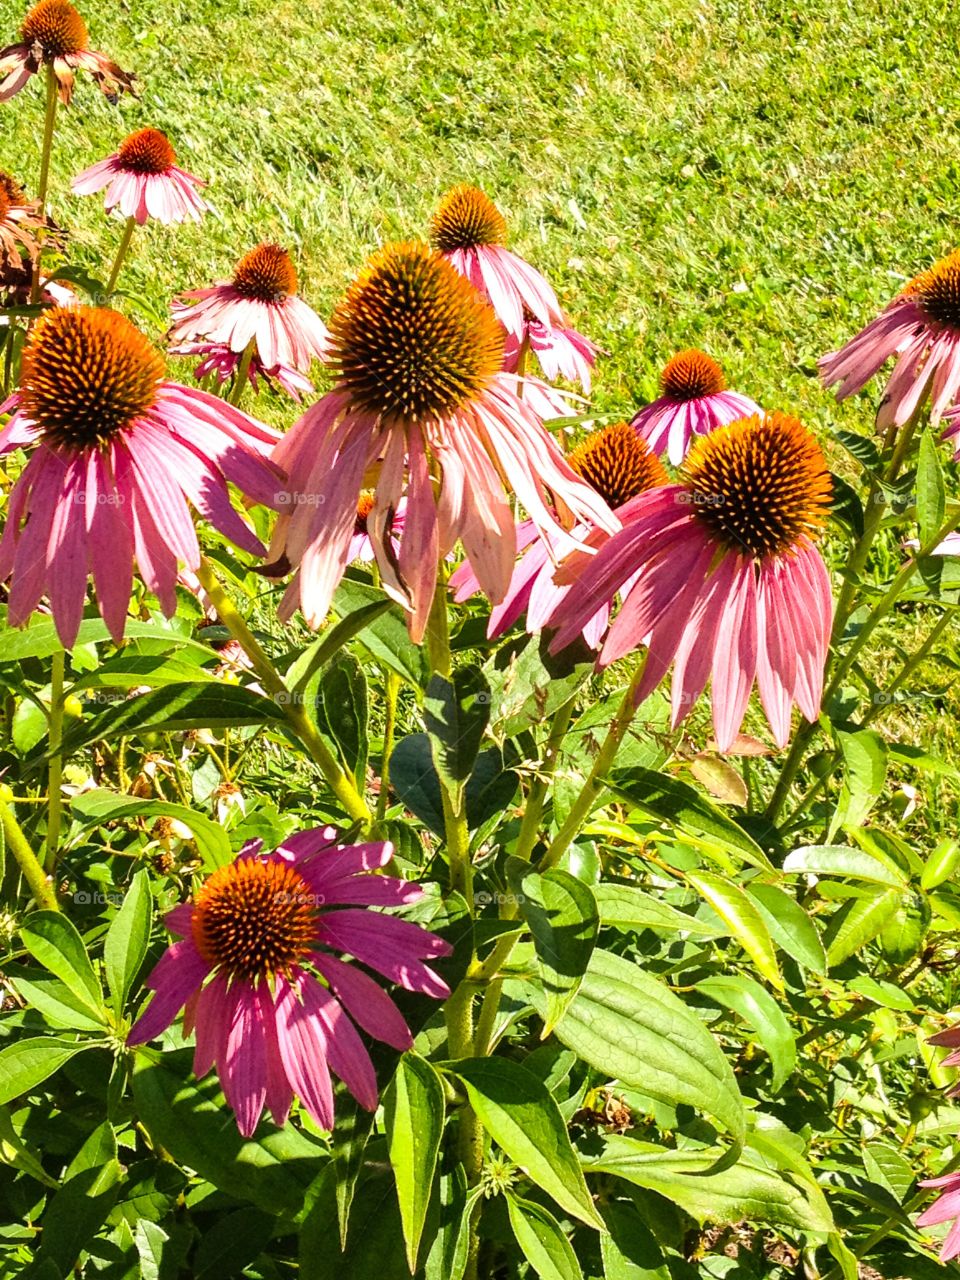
(619, 466)
(417, 356)
(53, 34)
(694, 402)
(361, 548)
(470, 231)
(728, 581)
(118, 453)
(562, 352)
(258, 305)
(18, 218)
(946, 1208)
(951, 430)
(222, 364)
(259, 973)
(921, 327)
(144, 181)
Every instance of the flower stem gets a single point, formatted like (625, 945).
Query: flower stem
(55, 774)
(44, 181)
(337, 780)
(122, 248)
(594, 783)
(39, 882)
(530, 827)
(392, 689)
(243, 368)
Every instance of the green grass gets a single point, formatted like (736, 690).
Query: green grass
(750, 178)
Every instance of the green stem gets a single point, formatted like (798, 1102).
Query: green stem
(594, 783)
(55, 774)
(40, 884)
(122, 248)
(240, 377)
(339, 783)
(530, 827)
(389, 732)
(46, 150)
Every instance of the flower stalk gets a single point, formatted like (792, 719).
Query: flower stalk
(38, 881)
(122, 248)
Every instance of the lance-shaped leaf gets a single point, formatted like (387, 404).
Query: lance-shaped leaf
(864, 773)
(742, 918)
(414, 1113)
(342, 712)
(858, 922)
(520, 1114)
(456, 713)
(27, 1063)
(128, 938)
(686, 810)
(633, 1029)
(626, 907)
(53, 941)
(789, 925)
(95, 807)
(931, 491)
(562, 914)
(542, 1240)
(754, 1003)
(840, 860)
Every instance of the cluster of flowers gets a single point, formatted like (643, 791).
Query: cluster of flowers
(432, 427)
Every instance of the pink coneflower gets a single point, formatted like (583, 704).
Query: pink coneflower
(118, 453)
(562, 352)
(361, 548)
(728, 582)
(619, 466)
(54, 35)
(417, 356)
(951, 431)
(18, 218)
(470, 231)
(259, 975)
(946, 1208)
(921, 327)
(222, 364)
(143, 180)
(694, 402)
(259, 305)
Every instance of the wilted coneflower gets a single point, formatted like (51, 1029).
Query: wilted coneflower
(223, 364)
(259, 305)
(921, 327)
(728, 581)
(18, 218)
(53, 34)
(143, 180)
(619, 466)
(694, 401)
(260, 974)
(417, 356)
(562, 352)
(471, 232)
(116, 453)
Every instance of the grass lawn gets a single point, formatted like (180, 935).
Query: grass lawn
(748, 177)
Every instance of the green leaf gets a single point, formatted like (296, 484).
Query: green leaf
(347, 1145)
(172, 709)
(931, 491)
(374, 1248)
(941, 864)
(789, 925)
(633, 1029)
(13, 1151)
(40, 640)
(669, 800)
(150, 1240)
(840, 860)
(903, 933)
(447, 1259)
(626, 907)
(519, 1113)
(749, 1189)
(542, 1240)
(342, 712)
(58, 1005)
(562, 914)
(742, 918)
(864, 773)
(857, 922)
(188, 1118)
(27, 1063)
(456, 713)
(96, 807)
(414, 1113)
(386, 638)
(630, 1250)
(318, 654)
(415, 780)
(131, 670)
(55, 943)
(232, 1244)
(128, 938)
(759, 1010)
(79, 1209)
(885, 1166)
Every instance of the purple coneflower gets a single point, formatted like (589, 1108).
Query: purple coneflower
(53, 34)
(143, 180)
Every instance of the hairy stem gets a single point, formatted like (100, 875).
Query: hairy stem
(55, 771)
(46, 150)
(122, 248)
(530, 827)
(392, 690)
(243, 368)
(39, 882)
